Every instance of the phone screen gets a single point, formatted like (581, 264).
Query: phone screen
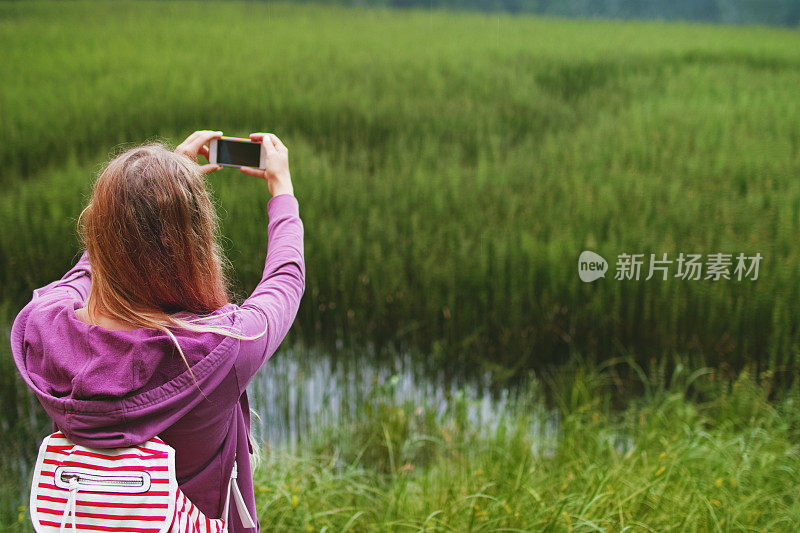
(238, 153)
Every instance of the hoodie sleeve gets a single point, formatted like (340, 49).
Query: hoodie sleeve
(274, 303)
(74, 285)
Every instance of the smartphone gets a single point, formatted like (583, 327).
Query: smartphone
(235, 152)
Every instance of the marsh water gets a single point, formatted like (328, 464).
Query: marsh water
(301, 392)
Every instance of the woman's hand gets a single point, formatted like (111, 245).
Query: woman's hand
(195, 144)
(277, 167)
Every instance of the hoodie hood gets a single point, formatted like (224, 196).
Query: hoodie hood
(108, 389)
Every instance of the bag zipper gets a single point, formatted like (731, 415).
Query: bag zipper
(128, 481)
(99, 481)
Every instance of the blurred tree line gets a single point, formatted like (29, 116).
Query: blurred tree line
(769, 12)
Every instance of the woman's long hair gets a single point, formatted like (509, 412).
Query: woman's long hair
(151, 232)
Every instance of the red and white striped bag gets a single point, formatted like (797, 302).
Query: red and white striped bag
(121, 490)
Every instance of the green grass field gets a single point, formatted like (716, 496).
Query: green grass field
(450, 168)
(696, 452)
(723, 459)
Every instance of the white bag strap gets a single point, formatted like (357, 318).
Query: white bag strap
(69, 506)
(238, 499)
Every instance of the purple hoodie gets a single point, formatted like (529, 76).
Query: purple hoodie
(107, 389)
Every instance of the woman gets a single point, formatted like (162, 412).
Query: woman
(139, 338)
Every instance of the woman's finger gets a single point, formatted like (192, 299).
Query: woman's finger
(268, 145)
(185, 143)
(277, 143)
(265, 139)
(202, 138)
(190, 138)
(256, 173)
(205, 169)
(195, 144)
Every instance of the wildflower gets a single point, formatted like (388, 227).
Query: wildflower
(295, 501)
(446, 435)
(718, 482)
(661, 457)
(660, 471)
(629, 453)
(713, 502)
(309, 528)
(567, 519)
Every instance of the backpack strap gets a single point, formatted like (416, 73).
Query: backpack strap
(119, 490)
(69, 507)
(238, 499)
(96, 482)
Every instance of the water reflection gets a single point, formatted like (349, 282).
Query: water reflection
(299, 391)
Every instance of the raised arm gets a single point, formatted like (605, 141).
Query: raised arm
(74, 284)
(275, 301)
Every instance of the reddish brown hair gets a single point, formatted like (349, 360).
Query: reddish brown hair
(150, 230)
